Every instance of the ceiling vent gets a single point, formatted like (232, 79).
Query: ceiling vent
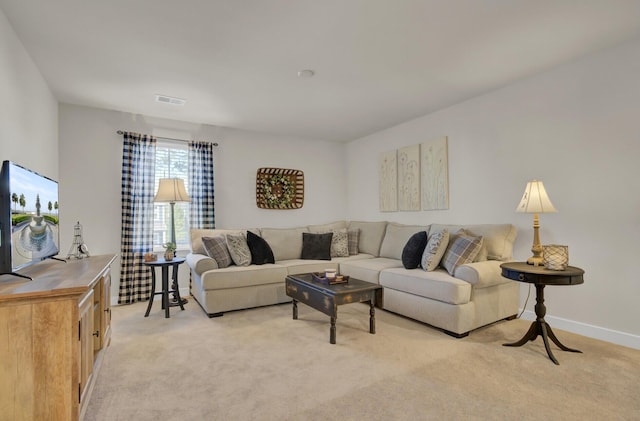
(170, 100)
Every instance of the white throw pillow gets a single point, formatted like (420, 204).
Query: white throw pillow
(239, 249)
(433, 252)
(340, 243)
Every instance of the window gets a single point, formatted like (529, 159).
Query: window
(171, 162)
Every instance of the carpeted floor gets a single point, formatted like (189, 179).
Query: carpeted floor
(259, 364)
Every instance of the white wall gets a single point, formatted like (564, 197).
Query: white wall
(28, 110)
(575, 128)
(91, 167)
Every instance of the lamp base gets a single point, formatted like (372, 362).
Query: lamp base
(535, 261)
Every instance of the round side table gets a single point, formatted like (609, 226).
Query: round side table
(540, 277)
(165, 264)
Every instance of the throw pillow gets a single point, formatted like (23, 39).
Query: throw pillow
(412, 251)
(316, 246)
(238, 249)
(461, 249)
(340, 243)
(216, 248)
(353, 238)
(261, 252)
(433, 252)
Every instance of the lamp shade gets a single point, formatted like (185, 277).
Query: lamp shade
(171, 190)
(535, 199)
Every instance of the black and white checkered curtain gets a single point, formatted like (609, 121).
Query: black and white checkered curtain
(201, 185)
(138, 177)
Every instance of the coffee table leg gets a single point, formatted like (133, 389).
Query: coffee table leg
(295, 310)
(372, 318)
(332, 331)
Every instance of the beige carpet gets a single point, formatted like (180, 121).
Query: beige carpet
(260, 364)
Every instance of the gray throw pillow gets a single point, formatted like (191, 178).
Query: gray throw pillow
(353, 237)
(238, 249)
(316, 246)
(461, 250)
(216, 248)
(433, 252)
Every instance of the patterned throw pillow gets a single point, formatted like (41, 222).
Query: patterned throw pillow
(461, 250)
(316, 246)
(261, 252)
(412, 251)
(216, 248)
(353, 239)
(433, 252)
(238, 249)
(340, 243)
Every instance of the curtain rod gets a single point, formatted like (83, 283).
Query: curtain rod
(168, 138)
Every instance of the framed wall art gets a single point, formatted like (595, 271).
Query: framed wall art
(435, 175)
(388, 181)
(409, 178)
(279, 188)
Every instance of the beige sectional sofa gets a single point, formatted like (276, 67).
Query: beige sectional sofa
(475, 295)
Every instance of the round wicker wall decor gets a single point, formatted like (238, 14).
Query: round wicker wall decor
(279, 188)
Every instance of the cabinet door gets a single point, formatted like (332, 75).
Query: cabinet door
(85, 343)
(105, 327)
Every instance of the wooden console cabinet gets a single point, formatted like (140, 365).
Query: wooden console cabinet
(54, 331)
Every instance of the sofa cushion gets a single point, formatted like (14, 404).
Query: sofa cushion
(412, 251)
(316, 246)
(243, 276)
(461, 249)
(238, 249)
(436, 285)
(371, 234)
(497, 239)
(216, 248)
(297, 266)
(368, 269)
(332, 226)
(434, 250)
(261, 253)
(396, 236)
(353, 236)
(286, 243)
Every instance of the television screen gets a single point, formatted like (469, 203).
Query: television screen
(29, 228)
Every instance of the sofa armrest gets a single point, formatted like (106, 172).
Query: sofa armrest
(200, 263)
(481, 274)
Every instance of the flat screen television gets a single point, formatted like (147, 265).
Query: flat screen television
(29, 228)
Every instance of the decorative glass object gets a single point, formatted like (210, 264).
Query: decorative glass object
(555, 257)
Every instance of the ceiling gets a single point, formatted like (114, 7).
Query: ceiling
(377, 63)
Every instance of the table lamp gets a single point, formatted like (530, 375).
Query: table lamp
(171, 190)
(535, 200)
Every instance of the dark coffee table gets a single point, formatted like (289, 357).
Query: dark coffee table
(327, 298)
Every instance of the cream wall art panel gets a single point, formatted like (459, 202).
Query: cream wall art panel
(409, 178)
(435, 175)
(388, 181)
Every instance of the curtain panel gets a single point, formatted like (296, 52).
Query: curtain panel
(201, 185)
(138, 183)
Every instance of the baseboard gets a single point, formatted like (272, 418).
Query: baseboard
(596, 332)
